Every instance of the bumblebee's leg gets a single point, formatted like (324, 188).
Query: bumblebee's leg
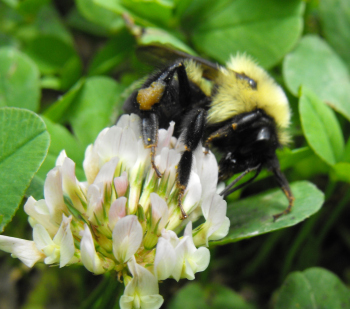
(283, 183)
(217, 134)
(228, 190)
(150, 94)
(193, 134)
(149, 129)
(244, 122)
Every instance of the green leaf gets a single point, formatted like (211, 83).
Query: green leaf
(23, 146)
(342, 171)
(157, 36)
(335, 18)
(112, 54)
(267, 30)
(253, 216)
(58, 111)
(19, 80)
(155, 11)
(314, 288)
(315, 65)
(321, 127)
(93, 107)
(289, 157)
(55, 57)
(193, 295)
(99, 15)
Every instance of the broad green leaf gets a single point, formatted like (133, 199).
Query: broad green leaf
(155, 11)
(23, 146)
(253, 216)
(58, 111)
(335, 19)
(346, 153)
(31, 7)
(342, 171)
(76, 20)
(112, 54)
(143, 12)
(19, 80)
(55, 57)
(315, 65)
(267, 30)
(321, 127)
(314, 288)
(157, 36)
(93, 107)
(193, 295)
(99, 15)
(290, 157)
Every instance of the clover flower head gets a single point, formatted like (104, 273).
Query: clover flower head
(124, 218)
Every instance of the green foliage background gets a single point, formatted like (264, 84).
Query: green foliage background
(73, 63)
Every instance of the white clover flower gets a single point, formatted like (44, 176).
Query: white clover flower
(124, 218)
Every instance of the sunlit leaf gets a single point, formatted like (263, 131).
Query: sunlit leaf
(19, 80)
(193, 295)
(58, 111)
(267, 30)
(314, 288)
(315, 65)
(99, 15)
(93, 107)
(335, 20)
(321, 127)
(253, 216)
(23, 146)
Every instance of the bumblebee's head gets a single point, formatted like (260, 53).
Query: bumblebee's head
(242, 87)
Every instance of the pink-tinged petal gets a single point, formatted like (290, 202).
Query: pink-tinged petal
(222, 231)
(121, 184)
(91, 164)
(207, 170)
(64, 238)
(106, 173)
(130, 121)
(171, 237)
(180, 251)
(164, 136)
(89, 256)
(42, 238)
(142, 290)
(165, 258)
(70, 184)
(200, 259)
(192, 194)
(25, 250)
(54, 195)
(116, 211)
(37, 215)
(127, 238)
(159, 211)
(95, 197)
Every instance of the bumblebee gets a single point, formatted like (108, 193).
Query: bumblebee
(238, 109)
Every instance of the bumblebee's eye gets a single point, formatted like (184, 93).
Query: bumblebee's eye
(251, 82)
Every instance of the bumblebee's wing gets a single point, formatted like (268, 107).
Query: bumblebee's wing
(156, 54)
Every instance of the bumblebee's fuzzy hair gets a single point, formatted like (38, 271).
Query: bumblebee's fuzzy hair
(195, 74)
(234, 96)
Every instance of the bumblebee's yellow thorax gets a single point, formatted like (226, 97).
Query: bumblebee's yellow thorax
(234, 96)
